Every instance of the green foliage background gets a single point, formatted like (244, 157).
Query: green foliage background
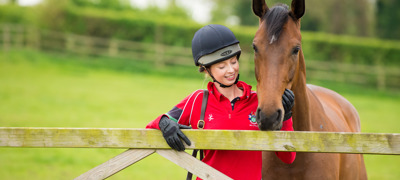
(58, 90)
(174, 27)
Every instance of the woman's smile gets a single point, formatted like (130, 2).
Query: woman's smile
(230, 77)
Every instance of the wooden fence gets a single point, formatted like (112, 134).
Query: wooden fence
(18, 36)
(144, 142)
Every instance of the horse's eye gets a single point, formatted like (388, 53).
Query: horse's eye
(255, 47)
(296, 50)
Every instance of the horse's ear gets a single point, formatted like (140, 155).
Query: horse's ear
(298, 8)
(259, 8)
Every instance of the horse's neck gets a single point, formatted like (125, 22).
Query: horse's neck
(301, 113)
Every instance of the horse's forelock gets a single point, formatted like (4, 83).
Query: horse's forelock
(275, 19)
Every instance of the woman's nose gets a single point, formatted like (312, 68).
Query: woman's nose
(230, 68)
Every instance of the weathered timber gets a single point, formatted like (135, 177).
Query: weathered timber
(116, 164)
(333, 142)
(132, 156)
(192, 165)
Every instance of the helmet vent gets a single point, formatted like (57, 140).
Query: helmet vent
(226, 53)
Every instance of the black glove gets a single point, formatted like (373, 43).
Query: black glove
(288, 103)
(172, 133)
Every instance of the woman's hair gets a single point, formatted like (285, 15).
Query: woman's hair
(202, 69)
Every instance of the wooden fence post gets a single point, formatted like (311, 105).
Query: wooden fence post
(245, 60)
(19, 36)
(6, 37)
(340, 77)
(159, 62)
(113, 48)
(70, 43)
(88, 42)
(380, 71)
(33, 38)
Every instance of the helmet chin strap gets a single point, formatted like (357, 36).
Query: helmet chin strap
(222, 85)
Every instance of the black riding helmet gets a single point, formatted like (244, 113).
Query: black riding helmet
(212, 44)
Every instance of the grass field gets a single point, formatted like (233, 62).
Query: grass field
(53, 90)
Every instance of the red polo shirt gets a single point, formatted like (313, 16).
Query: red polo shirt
(225, 115)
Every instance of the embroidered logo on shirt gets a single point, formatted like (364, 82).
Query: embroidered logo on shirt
(252, 119)
(210, 117)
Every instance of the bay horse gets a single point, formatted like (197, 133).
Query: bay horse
(280, 65)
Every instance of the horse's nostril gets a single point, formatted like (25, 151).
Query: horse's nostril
(279, 114)
(269, 122)
(258, 114)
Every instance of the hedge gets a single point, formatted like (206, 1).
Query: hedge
(129, 25)
(179, 32)
(146, 26)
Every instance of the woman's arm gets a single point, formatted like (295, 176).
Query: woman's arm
(182, 112)
(177, 118)
(287, 157)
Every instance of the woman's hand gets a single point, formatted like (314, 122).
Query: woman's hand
(172, 133)
(288, 103)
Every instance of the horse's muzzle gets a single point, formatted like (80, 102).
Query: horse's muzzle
(269, 122)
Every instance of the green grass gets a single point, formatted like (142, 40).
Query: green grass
(54, 90)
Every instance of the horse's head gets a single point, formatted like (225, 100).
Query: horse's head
(277, 49)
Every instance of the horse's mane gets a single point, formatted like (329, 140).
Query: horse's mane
(275, 18)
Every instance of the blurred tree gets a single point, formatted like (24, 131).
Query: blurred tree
(338, 17)
(350, 17)
(104, 19)
(174, 10)
(388, 18)
(222, 10)
(8, 1)
(52, 14)
(333, 16)
(106, 4)
(242, 9)
(362, 16)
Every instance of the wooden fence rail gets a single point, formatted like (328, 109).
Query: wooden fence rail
(27, 37)
(329, 142)
(144, 142)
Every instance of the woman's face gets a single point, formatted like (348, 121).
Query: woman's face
(226, 71)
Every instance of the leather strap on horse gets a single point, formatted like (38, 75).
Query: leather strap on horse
(200, 125)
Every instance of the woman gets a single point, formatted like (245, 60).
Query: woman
(231, 105)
